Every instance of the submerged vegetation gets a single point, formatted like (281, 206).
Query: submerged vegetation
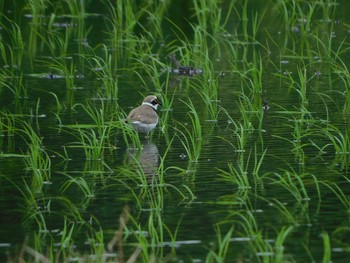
(250, 160)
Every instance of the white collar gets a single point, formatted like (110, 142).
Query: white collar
(151, 105)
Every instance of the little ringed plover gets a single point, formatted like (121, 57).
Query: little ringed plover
(145, 118)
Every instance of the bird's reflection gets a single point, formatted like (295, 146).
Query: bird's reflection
(147, 156)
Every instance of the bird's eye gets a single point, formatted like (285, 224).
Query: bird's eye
(155, 102)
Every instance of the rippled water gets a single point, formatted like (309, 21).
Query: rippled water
(289, 189)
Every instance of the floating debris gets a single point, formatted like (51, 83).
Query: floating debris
(53, 76)
(222, 74)
(183, 70)
(65, 25)
(317, 73)
(265, 103)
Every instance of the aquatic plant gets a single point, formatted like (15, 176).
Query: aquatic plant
(237, 176)
(103, 68)
(80, 183)
(36, 9)
(12, 53)
(153, 68)
(337, 191)
(92, 143)
(250, 229)
(62, 67)
(223, 245)
(327, 254)
(279, 244)
(120, 25)
(78, 15)
(98, 115)
(339, 139)
(295, 185)
(8, 124)
(208, 93)
(243, 174)
(37, 159)
(273, 173)
(191, 138)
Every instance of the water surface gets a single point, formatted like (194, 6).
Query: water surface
(249, 174)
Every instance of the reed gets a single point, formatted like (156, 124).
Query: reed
(191, 138)
(302, 128)
(103, 67)
(223, 246)
(54, 41)
(166, 110)
(93, 138)
(211, 103)
(97, 245)
(66, 241)
(279, 247)
(36, 9)
(121, 25)
(97, 113)
(32, 212)
(77, 10)
(337, 191)
(153, 68)
(288, 11)
(340, 142)
(8, 124)
(130, 136)
(258, 164)
(285, 212)
(245, 173)
(62, 67)
(12, 54)
(324, 35)
(340, 68)
(211, 17)
(134, 171)
(59, 105)
(303, 81)
(153, 26)
(297, 189)
(260, 248)
(14, 82)
(37, 160)
(244, 25)
(187, 195)
(80, 183)
(238, 176)
(202, 8)
(92, 143)
(327, 254)
(265, 198)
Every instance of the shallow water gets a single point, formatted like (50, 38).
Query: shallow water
(288, 174)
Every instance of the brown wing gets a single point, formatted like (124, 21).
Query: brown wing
(144, 114)
(132, 114)
(148, 116)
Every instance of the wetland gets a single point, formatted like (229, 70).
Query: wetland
(249, 161)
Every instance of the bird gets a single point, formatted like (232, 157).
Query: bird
(144, 118)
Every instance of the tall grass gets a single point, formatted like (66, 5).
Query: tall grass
(223, 245)
(121, 24)
(261, 196)
(12, 53)
(245, 173)
(36, 12)
(104, 69)
(191, 137)
(37, 161)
